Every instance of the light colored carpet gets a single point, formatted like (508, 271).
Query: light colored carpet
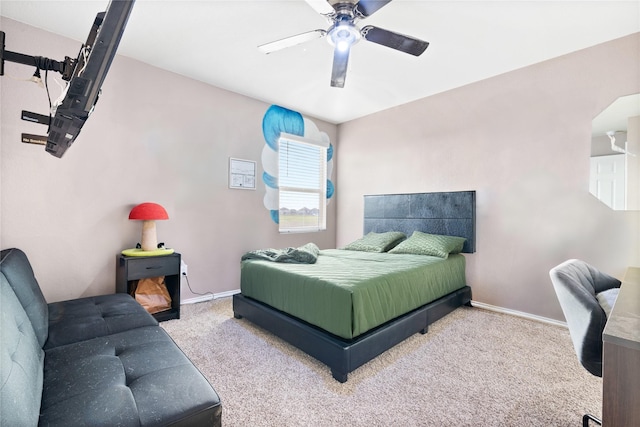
(473, 368)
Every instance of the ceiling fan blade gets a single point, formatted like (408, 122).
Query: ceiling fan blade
(292, 41)
(369, 7)
(394, 40)
(321, 6)
(339, 71)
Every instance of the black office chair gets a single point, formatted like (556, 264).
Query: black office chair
(586, 296)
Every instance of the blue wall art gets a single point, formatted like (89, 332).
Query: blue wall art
(279, 120)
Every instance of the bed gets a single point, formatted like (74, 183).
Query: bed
(350, 305)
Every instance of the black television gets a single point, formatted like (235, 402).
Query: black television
(85, 75)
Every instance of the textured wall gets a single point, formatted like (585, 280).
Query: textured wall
(522, 141)
(154, 136)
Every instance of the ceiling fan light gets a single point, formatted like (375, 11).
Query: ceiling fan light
(343, 45)
(343, 35)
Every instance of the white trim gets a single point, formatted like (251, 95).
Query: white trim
(518, 314)
(475, 304)
(302, 139)
(195, 300)
(209, 297)
(227, 293)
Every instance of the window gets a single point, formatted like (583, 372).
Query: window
(302, 181)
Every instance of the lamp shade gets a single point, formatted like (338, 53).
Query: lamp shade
(148, 211)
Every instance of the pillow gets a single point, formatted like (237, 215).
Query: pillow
(430, 244)
(376, 242)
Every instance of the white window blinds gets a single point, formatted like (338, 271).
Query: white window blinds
(302, 181)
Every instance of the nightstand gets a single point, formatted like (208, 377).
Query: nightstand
(131, 268)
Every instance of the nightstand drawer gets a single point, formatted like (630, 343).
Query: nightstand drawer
(153, 267)
(129, 269)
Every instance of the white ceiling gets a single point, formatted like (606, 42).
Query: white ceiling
(216, 42)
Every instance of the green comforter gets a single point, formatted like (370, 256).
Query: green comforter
(348, 293)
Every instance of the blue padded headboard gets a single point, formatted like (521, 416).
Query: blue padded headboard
(448, 213)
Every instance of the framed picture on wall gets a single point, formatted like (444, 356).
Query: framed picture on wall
(242, 174)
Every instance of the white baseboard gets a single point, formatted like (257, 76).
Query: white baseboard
(518, 313)
(227, 293)
(209, 297)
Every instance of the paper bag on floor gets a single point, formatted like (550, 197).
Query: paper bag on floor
(152, 294)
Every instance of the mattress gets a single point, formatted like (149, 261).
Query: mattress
(348, 293)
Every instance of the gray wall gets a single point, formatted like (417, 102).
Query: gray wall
(522, 140)
(154, 136)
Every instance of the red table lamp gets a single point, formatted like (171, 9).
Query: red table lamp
(148, 213)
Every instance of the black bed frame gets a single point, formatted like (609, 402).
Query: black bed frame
(450, 213)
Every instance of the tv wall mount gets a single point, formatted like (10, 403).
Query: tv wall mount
(67, 68)
(85, 75)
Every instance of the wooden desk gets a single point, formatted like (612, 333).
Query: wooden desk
(621, 356)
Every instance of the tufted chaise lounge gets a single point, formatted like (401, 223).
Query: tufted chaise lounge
(99, 361)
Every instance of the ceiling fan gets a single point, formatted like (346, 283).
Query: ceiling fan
(344, 33)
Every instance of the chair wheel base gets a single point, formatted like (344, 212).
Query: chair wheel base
(587, 417)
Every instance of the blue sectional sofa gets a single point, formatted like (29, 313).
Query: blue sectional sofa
(98, 361)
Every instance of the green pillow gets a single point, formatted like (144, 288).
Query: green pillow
(376, 242)
(430, 244)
